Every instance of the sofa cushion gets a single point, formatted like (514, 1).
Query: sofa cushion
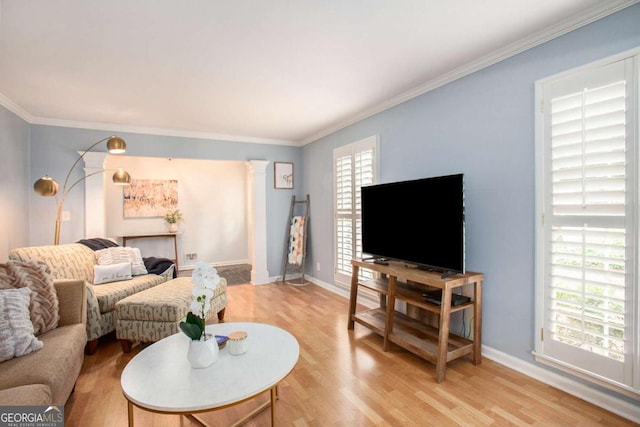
(36, 276)
(155, 313)
(119, 254)
(16, 330)
(110, 293)
(167, 302)
(111, 273)
(26, 395)
(57, 365)
(69, 261)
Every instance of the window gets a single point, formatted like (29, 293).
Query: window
(354, 167)
(587, 226)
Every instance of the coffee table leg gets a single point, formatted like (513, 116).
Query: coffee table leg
(130, 412)
(274, 396)
(196, 419)
(273, 391)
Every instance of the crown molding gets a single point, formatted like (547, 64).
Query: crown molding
(158, 131)
(510, 50)
(15, 109)
(580, 20)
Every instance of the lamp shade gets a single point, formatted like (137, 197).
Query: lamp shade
(46, 186)
(116, 145)
(121, 177)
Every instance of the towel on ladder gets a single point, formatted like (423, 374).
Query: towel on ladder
(296, 240)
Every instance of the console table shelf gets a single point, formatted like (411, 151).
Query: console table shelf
(437, 345)
(413, 296)
(379, 285)
(172, 236)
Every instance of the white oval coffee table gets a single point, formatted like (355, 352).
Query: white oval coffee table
(160, 378)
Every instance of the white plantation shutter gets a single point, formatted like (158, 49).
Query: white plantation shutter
(587, 290)
(586, 240)
(354, 167)
(345, 228)
(588, 151)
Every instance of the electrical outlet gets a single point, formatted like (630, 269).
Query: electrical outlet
(318, 266)
(66, 216)
(191, 257)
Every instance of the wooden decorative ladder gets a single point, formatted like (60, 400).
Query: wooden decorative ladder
(291, 244)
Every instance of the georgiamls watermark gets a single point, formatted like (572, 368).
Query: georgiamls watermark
(31, 416)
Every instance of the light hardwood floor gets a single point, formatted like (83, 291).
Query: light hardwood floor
(343, 378)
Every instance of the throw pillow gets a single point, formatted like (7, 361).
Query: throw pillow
(111, 273)
(36, 276)
(16, 329)
(118, 255)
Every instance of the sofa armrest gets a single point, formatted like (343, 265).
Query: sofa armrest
(168, 273)
(72, 301)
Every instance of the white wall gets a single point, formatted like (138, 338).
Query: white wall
(212, 197)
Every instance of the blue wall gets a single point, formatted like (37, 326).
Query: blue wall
(14, 182)
(483, 126)
(54, 149)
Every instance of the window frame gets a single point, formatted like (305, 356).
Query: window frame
(543, 240)
(364, 144)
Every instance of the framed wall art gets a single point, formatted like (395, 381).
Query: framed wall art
(283, 175)
(146, 198)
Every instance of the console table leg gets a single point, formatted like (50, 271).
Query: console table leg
(391, 303)
(477, 322)
(353, 296)
(443, 337)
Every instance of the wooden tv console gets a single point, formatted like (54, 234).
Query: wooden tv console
(437, 345)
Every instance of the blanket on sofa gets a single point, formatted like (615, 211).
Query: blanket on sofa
(98, 243)
(154, 265)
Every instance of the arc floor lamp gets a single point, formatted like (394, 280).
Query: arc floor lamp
(48, 187)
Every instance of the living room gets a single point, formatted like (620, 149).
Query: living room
(479, 120)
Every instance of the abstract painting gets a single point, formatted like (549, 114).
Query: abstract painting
(150, 197)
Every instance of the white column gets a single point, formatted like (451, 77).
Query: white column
(95, 223)
(258, 221)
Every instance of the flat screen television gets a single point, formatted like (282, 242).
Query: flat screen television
(419, 222)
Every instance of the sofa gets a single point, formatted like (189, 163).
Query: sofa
(78, 261)
(47, 376)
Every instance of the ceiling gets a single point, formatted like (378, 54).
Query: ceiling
(275, 71)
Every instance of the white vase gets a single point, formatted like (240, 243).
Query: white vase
(202, 354)
(173, 228)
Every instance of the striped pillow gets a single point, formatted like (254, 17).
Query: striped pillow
(16, 329)
(117, 255)
(36, 276)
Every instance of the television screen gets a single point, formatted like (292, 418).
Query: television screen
(420, 222)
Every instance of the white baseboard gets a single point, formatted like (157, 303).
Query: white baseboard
(606, 401)
(231, 262)
(345, 292)
(215, 264)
